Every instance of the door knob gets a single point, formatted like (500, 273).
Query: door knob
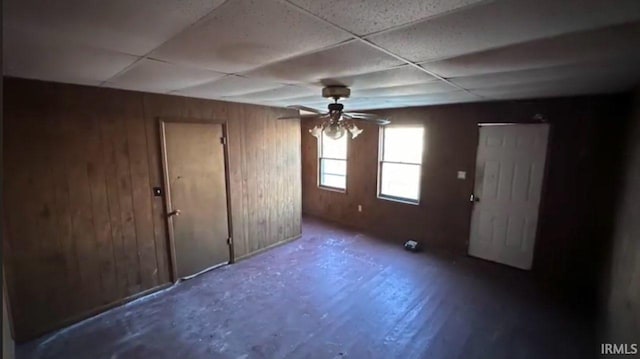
(175, 212)
(474, 198)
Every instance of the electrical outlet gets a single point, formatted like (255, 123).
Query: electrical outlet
(462, 175)
(359, 208)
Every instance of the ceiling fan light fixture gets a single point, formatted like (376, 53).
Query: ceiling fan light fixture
(335, 131)
(336, 122)
(355, 131)
(316, 131)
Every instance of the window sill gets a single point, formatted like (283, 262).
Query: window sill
(333, 189)
(399, 200)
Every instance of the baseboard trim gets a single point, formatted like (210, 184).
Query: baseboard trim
(261, 250)
(92, 313)
(77, 319)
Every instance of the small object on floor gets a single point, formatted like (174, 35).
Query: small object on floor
(412, 246)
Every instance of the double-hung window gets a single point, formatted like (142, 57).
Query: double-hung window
(400, 163)
(333, 162)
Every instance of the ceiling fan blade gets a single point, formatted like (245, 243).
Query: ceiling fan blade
(362, 116)
(305, 108)
(367, 118)
(302, 117)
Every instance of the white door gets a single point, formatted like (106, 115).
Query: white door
(508, 185)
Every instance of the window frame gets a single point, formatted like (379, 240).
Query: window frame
(319, 165)
(381, 161)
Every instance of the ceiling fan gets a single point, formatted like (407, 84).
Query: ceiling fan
(336, 122)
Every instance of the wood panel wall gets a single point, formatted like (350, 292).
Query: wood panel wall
(83, 228)
(577, 199)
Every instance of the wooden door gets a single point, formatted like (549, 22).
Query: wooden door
(509, 173)
(196, 195)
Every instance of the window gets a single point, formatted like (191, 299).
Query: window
(333, 162)
(401, 163)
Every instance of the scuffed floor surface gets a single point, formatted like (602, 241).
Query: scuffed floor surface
(335, 293)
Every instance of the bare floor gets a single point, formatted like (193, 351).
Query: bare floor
(336, 293)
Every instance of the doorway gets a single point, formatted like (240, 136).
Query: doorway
(510, 166)
(194, 165)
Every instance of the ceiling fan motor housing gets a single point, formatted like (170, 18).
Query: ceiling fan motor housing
(335, 107)
(336, 92)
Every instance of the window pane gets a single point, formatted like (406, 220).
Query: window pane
(403, 144)
(334, 148)
(333, 167)
(400, 180)
(336, 181)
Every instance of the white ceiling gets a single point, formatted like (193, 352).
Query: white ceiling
(281, 52)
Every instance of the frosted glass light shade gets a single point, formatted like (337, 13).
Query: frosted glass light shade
(355, 131)
(334, 131)
(316, 131)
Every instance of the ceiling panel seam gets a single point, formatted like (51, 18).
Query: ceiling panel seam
(377, 47)
(302, 54)
(244, 73)
(226, 76)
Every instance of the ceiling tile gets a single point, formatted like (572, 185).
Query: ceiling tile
(603, 44)
(432, 99)
(417, 89)
(414, 100)
(229, 86)
(502, 23)
(281, 93)
(555, 88)
(404, 75)
(345, 60)
(30, 55)
(567, 73)
(365, 17)
(134, 27)
(245, 34)
(156, 76)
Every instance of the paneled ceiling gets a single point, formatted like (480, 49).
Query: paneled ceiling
(282, 52)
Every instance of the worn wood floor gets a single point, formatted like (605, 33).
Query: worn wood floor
(336, 293)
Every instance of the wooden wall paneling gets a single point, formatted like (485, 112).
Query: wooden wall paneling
(289, 159)
(84, 231)
(109, 131)
(261, 172)
(235, 144)
(96, 174)
(271, 185)
(280, 196)
(252, 135)
(77, 128)
(134, 125)
(131, 256)
(295, 161)
(29, 174)
(258, 172)
(245, 126)
(61, 212)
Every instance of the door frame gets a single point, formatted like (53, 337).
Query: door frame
(162, 121)
(543, 188)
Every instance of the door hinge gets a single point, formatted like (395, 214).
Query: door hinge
(229, 241)
(223, 140)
